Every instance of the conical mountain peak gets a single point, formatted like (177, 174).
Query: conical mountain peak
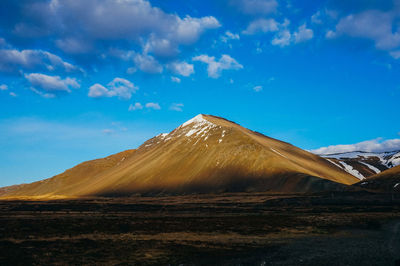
(206, 153)
(198, 119)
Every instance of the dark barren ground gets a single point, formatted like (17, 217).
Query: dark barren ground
(346, 228)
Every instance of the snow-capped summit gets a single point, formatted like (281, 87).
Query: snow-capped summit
(198, 119)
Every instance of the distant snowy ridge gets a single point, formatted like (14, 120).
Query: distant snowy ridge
(363, 164)
(389, 159)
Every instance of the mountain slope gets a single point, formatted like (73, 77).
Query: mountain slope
(205, 154)
(72, 178)
(387, 181)
(364, 164)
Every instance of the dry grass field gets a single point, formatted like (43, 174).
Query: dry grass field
(340, 228)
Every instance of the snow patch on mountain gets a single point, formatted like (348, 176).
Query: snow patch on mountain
(394, 160)
(334, 163)
(349, 169)
(373, 168)
(198, 119)
(199, 126)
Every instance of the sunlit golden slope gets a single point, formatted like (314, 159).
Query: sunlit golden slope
(205, 154)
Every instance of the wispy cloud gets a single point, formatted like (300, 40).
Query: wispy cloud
(154, 106)
(229, 36)
(181, 68)
(375, 145)
(215, 67)
(261, 26)
(51, 84)
(374, 25)
(13, 60)
(257, 88)
(176, 107)
(136, 106)
(118, 87)
(255, 7)
(176, 79)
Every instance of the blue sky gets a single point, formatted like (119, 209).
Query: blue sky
(84, 79)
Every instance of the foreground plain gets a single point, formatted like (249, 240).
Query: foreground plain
(340, 228)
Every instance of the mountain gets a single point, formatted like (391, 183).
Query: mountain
(205, 154)
(364, 164)
(387, 181)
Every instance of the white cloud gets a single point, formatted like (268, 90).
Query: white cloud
(154, 106)
(176, 107)
(375, 145)
(282, 39)
(182, 68)
(375, 25)
(330, 34)
(258, 88)
(395, 54)
(147, 63)
(176, 79)
(229, 36)
(256, 7)
(12, 94)
(74, 45)
(160, 46)
(189, 29)
(136, 106)
(118, 87)
(131, 70)
(3, 87)
(214, 67)
(316, 18)
(108, 20)
(108, 131)
(184, 31)
(303, 34)
(51, 83)
(122, 88)
(323, 16)
(262, 26)
(98, 91)
(12, 60)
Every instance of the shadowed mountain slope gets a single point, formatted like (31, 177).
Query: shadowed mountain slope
(205, 154)
(387, 181)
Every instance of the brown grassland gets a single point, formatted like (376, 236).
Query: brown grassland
(335, 228)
